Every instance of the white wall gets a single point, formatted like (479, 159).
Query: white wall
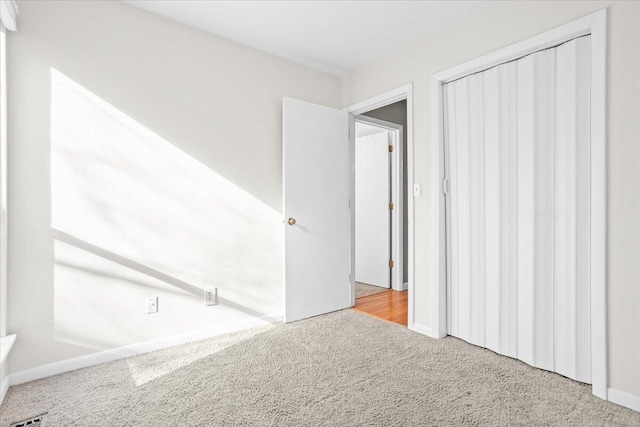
(500, 25)
(145, 160)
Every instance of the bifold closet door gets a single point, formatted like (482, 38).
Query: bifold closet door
(517, 144)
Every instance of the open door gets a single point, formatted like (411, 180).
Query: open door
(380, 196)
(372, 203)
(317, 179)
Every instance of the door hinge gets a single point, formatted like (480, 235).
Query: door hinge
(390, 263)
(445, 186)
(391, 148)
(390, 206)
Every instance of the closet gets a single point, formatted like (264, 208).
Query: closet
(517, 162)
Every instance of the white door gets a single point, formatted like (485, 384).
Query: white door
(373, 219)
(317, 178)
(518, 215)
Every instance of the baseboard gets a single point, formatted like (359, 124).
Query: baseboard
(421, 329)
(624, 399)
(133, 350)
(425, 330)
(4, 387)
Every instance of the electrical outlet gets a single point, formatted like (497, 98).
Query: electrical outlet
(152, 305)
(211, 296)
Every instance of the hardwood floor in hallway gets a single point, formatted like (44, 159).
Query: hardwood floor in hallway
(389, 305)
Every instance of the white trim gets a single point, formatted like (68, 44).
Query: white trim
(422, 329)
(397, 184)
(134, 350)
(624, 399)
(352, 215)
(599, 345)
(596, 25)
(8, 14)
(382, 100)
(4, 388)
(579, 27)
(5, 346)
(3, 181)
(401, 93)
(438, 216)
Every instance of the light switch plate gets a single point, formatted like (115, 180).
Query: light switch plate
(417, 189)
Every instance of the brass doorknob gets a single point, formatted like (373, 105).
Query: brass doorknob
(291, 221)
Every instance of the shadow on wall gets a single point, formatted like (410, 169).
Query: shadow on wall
(133, 216)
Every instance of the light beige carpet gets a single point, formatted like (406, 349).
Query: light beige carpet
(363, 290)
(341, 369)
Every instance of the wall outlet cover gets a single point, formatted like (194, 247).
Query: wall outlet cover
(152, 305)
(211, 296)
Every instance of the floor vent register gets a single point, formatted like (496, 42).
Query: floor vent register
(37, 421)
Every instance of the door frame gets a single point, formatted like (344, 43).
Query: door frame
(401, 93)
(397, 236)
(594, 24)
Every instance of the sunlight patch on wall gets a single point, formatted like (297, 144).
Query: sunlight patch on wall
(125, 190)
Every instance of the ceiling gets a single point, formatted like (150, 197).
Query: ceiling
(332, 36)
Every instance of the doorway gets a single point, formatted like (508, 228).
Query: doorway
(380, 212)
(373, 206)
(319, 205)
